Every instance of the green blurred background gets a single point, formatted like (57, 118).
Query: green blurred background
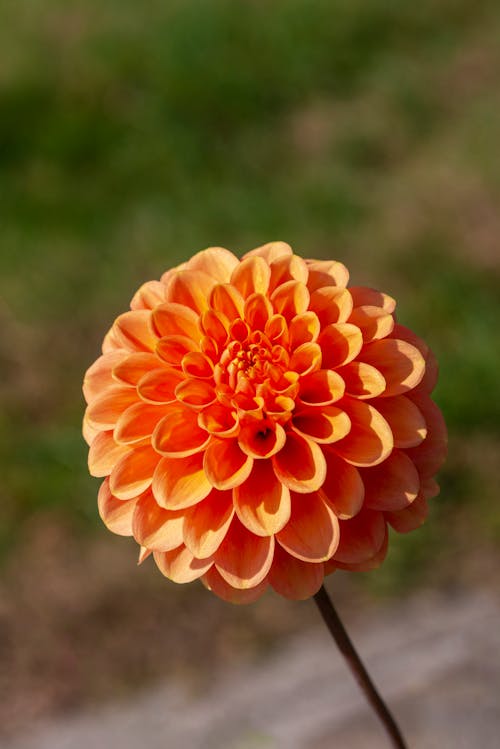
(133, 134)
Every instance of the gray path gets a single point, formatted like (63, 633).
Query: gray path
(436, 660)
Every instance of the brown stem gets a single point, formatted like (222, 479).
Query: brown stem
(339, 634)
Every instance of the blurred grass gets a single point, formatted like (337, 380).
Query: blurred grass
(132, 135)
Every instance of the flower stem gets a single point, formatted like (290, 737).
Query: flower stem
(339, 634)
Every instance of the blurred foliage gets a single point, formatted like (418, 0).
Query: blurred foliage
(133, 134)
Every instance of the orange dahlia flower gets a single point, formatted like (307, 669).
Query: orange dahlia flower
(260, 423)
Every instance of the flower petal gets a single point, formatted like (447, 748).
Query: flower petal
(257, 311)
(261, 438)
(104, 454)
(172, 348)
(374, 322)
(362, 380)
(300, 465)
(149, 296)
(226, 465)
(180, 482)
(325, 425)
(288, 268)
(180, 566)
(133, 367)
(368, 564)
(195, 393)
(99, 376)
(306, 359)
(370, 440)
(138, 422)
(176, 319)
(312, 533)
(206, 524)
(340, 344)
(304, 328)
(251, 276)
(133, 474)
(410, 518)
(156, 528)
(293, 578)
(219, 420)
(363, 295)
(331, 304)
(244, 559)
(191, 288)
(290, 299)
(135, 330)
(393, 485)
(159, 385)
(178, 435)
(216, 262)
(321, 388)
(105, 410)
(196, 364)
(262, 502)
(214, 582)
(431, 453)
(343, 488)
(326, 273)
(270, 251)
(401, 364)
(361, 537)
(115, 514)
(228, 300)
(405, 419)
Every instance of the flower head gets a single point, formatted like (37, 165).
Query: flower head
(259, 423)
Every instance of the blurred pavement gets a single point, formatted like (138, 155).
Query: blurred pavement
(436, 660)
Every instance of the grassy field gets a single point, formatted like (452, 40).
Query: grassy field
(133, 134)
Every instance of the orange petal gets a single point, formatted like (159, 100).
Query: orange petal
(374, 322)
(401, 364)
(243, 559)
(180, 482)
(431, 453)
(276, 330)
(288, 268)
(89, 432)
(178, 435)
(304, 328)
(361, 537)
(206, 524)
(195, 393)
(370, 440)
(262, 502)
(362, 295)
(331, 304)
(104, 454)
(270, 251)
(312, 533)
(406, 421)
(219, 420)
(261, 438)
(191, 288)
(362, 380)
(135, 330)
(226, 465)
(215, 325)
(99, 376)
(173, 348)
(197, 364)
(300, 465)
(343, 488)
(180, 566)
(306, 359)
(293, 578)
(251, 276)
(137, 422)
(176, 319)
(155, 528)
(321, 388)
(290, 299)
(115, 514)
(111, 342)
(133, 368)
(228, 300)
(216, 262)
(325, 425)
(326, 273)
(257, 311)
(133, 474)
(411, 517)
(159, 385)
(149, 296)
(369, 564)
(393, 485)
(105, 410)
(340, 344)
(213, 581)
